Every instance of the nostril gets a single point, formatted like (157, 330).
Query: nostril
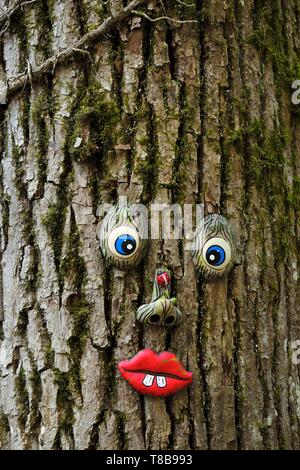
(154, 318)
(170, 319)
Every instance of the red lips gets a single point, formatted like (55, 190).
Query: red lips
(154, 374)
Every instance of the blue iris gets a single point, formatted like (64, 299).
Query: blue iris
(125, 244)
(215, 255)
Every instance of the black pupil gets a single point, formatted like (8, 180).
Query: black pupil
(213, 257)
(128, 246)
(155, 318)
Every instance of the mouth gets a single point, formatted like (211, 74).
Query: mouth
(154, 374)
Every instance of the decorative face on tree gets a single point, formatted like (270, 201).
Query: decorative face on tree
(214, 251)
(213, 255)
(122, 236)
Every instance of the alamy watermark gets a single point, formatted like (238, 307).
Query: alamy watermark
(163, 221)
(296, 94)
(295, 345)
(295, 348)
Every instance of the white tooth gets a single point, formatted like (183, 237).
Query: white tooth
(148, 380)
(161, 381)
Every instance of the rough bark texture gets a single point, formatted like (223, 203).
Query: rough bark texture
(169, 113)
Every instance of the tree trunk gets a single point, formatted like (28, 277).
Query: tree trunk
(162, 112)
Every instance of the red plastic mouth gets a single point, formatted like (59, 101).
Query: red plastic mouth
(154, 374)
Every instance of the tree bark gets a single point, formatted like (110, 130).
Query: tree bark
(161, 112)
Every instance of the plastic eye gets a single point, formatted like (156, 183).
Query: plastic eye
(125, 245)
(122, 236)
(217, 253)
(214, 247)
(123, 242)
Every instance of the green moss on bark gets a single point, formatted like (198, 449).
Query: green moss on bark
(120, 429)
(81, 8)
(18, 156)
(44, 16)
(4, 430)
(25, 113)
(4, 197)
(95, 123)
(36, 395)
(53, 221)
(22, 322)
(182, 147)
(270, 39)
(47, 347)
(265, 168)
(149, 167)
(73, 269)
(4, 425)
(40, 115)
(72, 265)
(5, 200)
(32, 276)
(80, 315)
(22, 398)
(18, 25)
(33, 273)
(64, 401)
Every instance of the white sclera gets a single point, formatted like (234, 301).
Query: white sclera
(117, 232)
(223, 244)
